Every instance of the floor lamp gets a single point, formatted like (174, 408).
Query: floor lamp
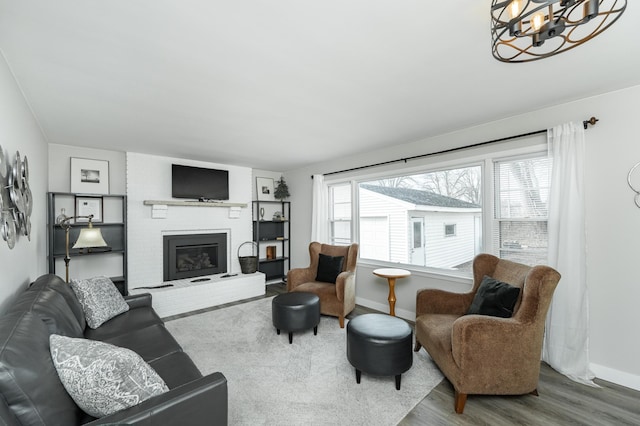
(89, 237)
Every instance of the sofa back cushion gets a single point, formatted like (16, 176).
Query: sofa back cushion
(55, 283)
(329, 267)
(100, 300)
(102, 378)
(52, 308)
(494, 298)
(29, 382)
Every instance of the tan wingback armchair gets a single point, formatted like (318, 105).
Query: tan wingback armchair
(337, 299)
(482, 354)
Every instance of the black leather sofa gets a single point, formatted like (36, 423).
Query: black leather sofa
(31, 392)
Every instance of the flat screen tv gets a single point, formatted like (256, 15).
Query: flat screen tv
(199, 183)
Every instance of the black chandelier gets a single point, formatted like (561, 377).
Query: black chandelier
(527, 30)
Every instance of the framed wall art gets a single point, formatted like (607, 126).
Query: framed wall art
(86, 206)
(89, 176)
(264, 189)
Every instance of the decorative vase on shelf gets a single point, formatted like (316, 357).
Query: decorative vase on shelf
(62, 216)
(261, 213)
(282, 190)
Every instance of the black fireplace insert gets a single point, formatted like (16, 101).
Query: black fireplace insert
(194, 255)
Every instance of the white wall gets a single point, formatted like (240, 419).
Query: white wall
(613, 220)
(263, 174)
(149, 178)
(19, 131)
(60, 166)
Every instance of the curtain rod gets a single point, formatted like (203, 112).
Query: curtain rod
(585, 123)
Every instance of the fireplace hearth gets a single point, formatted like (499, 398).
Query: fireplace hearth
(194, 255)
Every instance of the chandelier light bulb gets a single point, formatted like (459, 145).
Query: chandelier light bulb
(537, 21)
(515, 8)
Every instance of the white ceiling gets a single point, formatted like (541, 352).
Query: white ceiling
(281, 84)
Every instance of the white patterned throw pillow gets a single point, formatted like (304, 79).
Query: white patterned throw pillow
(101, 378)
(100, 300)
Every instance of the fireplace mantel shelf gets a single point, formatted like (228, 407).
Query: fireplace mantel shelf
(192, 203)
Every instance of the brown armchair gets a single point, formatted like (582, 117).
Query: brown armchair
(337, 299)
(482, 354)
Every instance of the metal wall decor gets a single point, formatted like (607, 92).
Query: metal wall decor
(16, 199)
(634, 188)
(528, 30)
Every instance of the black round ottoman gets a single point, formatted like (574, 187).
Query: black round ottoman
(380, 345)
(295, 311)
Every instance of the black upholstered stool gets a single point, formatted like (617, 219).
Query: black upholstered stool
(295, 311)
(379, 345)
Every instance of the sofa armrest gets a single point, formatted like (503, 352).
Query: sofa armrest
(298, 276)
(345, 285)
(202, 401)
(487, 343)
(436, 301)
(138, 300)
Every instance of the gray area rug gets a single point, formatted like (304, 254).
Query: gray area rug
(309, 382)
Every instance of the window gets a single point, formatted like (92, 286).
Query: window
(521, 209)
(438, 220)
(340, 214)
(450, 230)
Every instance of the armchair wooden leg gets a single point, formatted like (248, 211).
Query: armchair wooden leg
(417, 347)
(341, 318)
(534, 392)
(461, 400)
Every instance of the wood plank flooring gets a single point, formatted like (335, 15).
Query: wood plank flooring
(561, 401)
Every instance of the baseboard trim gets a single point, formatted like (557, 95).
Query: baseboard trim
(618, 377)
(384, 307)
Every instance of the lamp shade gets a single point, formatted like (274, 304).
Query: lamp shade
(90, 237)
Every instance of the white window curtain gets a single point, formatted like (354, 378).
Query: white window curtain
(566, 343)
(320, 211)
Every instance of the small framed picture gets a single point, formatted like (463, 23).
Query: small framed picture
(86, 206)
(89, 176)
(264, 188)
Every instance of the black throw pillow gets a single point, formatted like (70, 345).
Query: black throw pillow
(494, 298)
(329, 267)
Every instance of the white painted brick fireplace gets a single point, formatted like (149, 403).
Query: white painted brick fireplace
(149, 178)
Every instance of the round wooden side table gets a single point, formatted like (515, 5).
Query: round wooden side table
(391, 274)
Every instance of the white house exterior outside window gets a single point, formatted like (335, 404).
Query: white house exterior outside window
(404, 224)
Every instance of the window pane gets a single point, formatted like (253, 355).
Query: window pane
(340, 211)
(405, 219)
(417, 235)
(341, 197)
(522, 196)
(524, 242)
(450, 230)
(523, 188)
(341, 231)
